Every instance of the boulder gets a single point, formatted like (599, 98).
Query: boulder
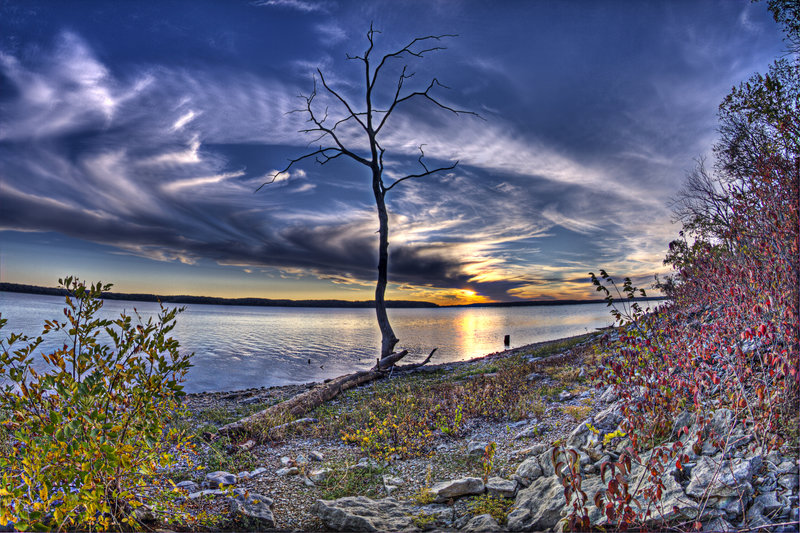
(582, 436)
(528, 471)
(538, 507)
(252, 508)
(722, 479)
(359, 513)
(608, 420)
(497, 486)
(457, 488)
(483, 522)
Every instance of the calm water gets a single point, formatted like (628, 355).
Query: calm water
(241, 347)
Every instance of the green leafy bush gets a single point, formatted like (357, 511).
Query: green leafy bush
(84, 426)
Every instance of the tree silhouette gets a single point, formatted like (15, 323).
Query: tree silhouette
(369, 121)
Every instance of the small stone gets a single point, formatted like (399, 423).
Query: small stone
(258, 471)
(307, 482)
(144, 514)
(247, 445)
(286, 461)
(565, 395)
(243, 475)
(188, 486)
(319, 475)
(315, 456)
(287, 471)
(476, 447)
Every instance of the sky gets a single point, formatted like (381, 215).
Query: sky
(133, 137)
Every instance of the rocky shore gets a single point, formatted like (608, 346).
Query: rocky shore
(491, 475)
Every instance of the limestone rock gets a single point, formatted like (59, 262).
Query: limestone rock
(476, 447)
(528, 471)
(188, 486)
(483, 522)
(718, 525)
(253, 507)
(608, 420)
(788, 481)
(210, 492)
(319, 475)
(609, 396)
(258, 471)
(247, 445)
(538, 507)
(359, 513)
(768, 502)
(287, 471)
(315, 456)
(725, 480)
(534, 430)
(144, 514)
(582, 436)
(219, 478)
(497, 486)
(457, 488)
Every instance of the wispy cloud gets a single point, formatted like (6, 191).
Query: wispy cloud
(305, 6)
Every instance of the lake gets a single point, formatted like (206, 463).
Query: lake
(238, 347)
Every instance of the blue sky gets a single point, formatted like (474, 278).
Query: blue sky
(133, 136)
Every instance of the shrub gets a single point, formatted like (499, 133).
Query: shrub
(86, 424)
(495, 506)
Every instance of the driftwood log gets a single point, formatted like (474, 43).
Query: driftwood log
(319, 394)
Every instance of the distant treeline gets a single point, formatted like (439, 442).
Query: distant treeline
(529, 303)
(266, 302)
(209, 300)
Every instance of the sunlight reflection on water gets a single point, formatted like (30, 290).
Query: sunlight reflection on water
(241, 347)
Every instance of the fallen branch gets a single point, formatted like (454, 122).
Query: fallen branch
(316, 396)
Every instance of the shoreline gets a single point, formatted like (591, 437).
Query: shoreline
(234, 394)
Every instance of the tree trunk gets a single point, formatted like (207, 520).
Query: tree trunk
(388, 339)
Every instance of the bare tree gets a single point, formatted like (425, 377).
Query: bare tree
(369, 121)
(703, 204)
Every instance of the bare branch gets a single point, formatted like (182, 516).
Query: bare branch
(425, 94)
(407, 49)
(427, 172)
(292, 162)
(343, 101)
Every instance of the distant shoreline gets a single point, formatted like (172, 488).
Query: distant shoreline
(267, 302)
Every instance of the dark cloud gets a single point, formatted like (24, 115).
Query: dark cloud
(155, 145)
